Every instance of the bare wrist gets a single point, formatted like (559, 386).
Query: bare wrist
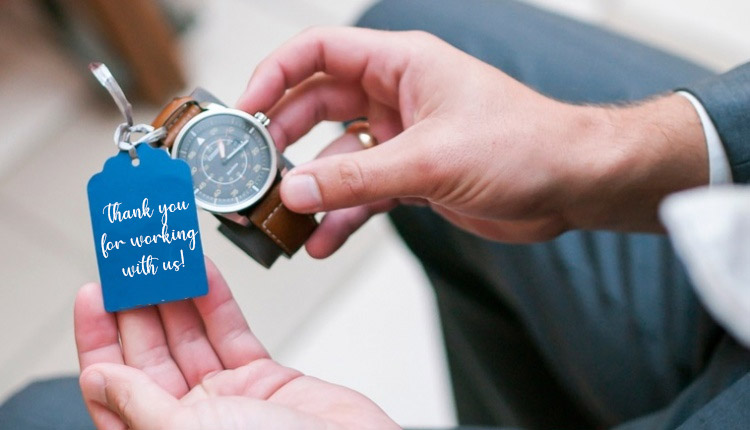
(634, 156)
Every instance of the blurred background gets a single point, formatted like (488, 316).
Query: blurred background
(364, 318)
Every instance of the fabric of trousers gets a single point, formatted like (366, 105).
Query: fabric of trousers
(593, 329)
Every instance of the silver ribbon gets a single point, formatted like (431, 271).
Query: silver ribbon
(104, 76)
(124, 131)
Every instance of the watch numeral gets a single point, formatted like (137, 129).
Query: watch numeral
(250, 184)
(234, 192)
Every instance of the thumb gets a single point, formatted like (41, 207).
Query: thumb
(139, 402)
(396, 168)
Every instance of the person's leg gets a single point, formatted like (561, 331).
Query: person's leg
(585, 331)
(717, 399)
(558, 56)
(53, 404)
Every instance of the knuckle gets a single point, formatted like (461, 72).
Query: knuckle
(121, 401)
(84, 377)
(320, 111)
(546, 229)
(351, 178)
(152, 356)
(311, 31)
(426, 169)
(315, 33)
(434, 168)
(421, 36)
(422, 42)
(556, 226)
(187, 336)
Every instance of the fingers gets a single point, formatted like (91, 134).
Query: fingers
(188, 342)
(137, 401)
(170, 344)
(338, 225)
(316, 99)
(384, 125)
(376, 58)
(394, 169)
(344, 144)
(325, 98)
(97, 339)
(259, 379)
(144, 346)
(227, 330)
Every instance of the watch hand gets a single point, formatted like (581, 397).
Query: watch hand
(233, 153)
(222, 150)
(212, 155)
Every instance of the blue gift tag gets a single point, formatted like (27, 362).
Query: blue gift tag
(146, 232)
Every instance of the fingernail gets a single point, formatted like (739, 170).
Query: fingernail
(301, 192)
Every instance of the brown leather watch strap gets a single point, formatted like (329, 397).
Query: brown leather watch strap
(174, 116)
(289, 230)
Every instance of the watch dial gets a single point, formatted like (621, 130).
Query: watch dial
(230, 160)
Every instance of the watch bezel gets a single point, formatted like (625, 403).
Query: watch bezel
(219, 110)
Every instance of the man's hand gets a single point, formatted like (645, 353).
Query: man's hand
(196, 365)
(486, 152)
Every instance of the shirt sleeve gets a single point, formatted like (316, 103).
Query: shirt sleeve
(726, 99)
(718, 163)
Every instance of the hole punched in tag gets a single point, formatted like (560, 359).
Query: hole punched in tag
(123, 132)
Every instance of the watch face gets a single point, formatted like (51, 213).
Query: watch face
(231, 157)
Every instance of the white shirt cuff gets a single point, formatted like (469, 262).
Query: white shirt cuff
(718, 162)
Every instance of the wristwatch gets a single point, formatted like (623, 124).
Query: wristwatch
(236, 172)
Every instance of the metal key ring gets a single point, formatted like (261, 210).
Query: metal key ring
(122, 137)
(154, 135)
(124, 132)
(142, 129)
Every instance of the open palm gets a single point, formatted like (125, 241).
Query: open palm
(195, 364)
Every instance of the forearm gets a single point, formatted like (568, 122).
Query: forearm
(630, 159)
